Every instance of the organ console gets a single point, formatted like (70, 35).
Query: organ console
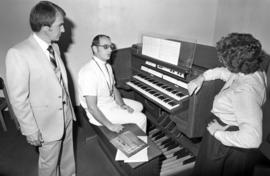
(177, 120)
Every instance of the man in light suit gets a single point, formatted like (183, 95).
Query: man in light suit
(37, 86)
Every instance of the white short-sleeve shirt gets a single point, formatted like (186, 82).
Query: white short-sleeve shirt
(94, 82)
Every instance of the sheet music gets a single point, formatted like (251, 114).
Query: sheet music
(161, 49)
(141, 156)
(169, 51)
(151, 46)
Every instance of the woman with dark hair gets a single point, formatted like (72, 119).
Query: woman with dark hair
(229, 145)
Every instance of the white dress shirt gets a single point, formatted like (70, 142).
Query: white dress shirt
(44, 45)
(239, 104)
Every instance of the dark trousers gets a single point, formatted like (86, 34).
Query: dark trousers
(216, 159)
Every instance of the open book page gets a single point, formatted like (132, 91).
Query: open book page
(161, 49)
(151, 46)
(128, 143)
(141, 156)
(169, 51)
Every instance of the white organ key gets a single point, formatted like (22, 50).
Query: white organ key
(165, 104)
(175, 96)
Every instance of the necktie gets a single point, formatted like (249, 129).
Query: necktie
(58, 72)
(53, 61)
(52, 56)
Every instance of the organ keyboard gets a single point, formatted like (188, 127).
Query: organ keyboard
(166, 89)
(177, 120)
(159, 87)
(158, 97)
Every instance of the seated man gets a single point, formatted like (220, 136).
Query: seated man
(99, 96)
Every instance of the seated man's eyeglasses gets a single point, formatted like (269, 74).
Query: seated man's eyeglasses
(106, 46)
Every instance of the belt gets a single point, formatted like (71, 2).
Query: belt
(230, 127)
(220, 122)
(235, 128)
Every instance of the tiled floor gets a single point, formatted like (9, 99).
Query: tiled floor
(18, 158)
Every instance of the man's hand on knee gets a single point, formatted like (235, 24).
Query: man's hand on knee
(128, 108)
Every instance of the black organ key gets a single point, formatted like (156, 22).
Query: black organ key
(172, 103)
(173, 145)
(161, 97)
(158, 136)
(152, 132)
(150, 128)
(166, 141)
(152, 92)
(163, 138)
(181, 153)
(164, 86)
(169, 89)
(157, 94)
(174, 91)
(190, 160)
(149, 91)
(169, 150)
(170, 145)
(134, 82)
(169, 153)
(144, 87)
(141, 75)
(167, 100)
(180, 94)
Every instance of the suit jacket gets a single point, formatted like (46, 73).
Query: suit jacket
(34, 90)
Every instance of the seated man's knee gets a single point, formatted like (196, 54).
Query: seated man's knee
(137, 106)
(141, 116)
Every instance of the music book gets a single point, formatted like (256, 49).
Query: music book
(128, 143)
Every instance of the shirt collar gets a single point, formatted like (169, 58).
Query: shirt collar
(44, 45)
(99, 61)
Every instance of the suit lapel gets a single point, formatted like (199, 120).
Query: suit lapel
(42, 58)
(45, 63)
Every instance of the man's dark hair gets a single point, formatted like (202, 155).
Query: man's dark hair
(44, 14)
(240, 52)
(96, 39)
